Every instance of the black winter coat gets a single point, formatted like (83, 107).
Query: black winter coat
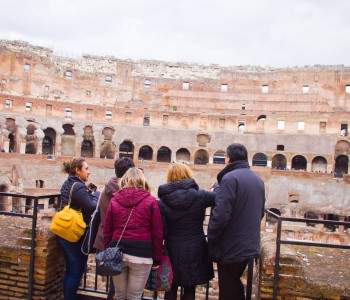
(182, 205)
(234, 227)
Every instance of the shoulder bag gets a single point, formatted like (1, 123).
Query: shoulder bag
(109, 261)
(69, 223)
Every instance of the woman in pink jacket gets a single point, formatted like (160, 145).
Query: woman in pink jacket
(142, 240)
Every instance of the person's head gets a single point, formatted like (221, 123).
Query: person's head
(121, 165)
(236, 152)
(77, 167)
(178, 172)
(134, 178)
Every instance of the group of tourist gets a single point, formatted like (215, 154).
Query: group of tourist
(175, 222)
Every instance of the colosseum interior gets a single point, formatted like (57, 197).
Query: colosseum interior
(293, 121)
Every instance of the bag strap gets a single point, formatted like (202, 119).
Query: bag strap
(70, 193)
(125, 226)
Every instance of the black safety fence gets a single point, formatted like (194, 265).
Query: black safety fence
(28, 206)
(280, 241)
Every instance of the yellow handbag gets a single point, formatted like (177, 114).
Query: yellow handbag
(69, 223)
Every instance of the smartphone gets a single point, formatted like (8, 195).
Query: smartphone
(92, 187)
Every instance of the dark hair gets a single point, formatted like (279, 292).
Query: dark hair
(121, 165)
(70, 167)
(237, 152)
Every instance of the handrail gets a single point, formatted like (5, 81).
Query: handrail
(280, 241)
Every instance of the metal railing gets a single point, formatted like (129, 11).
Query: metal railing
(34, 206)
(280, 241)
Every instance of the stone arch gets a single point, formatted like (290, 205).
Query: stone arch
(319, 164)
(49, 141)
(183, 155)
(126, 149)
(260, 159)
(146, 153)
(311, 215)
(299, 162)
(68, 140)
(201, 157)
(87, 148)
(164, 154)
(279, 161)
(341, 164)
(219, 157)
(5, 202)
(342, 148)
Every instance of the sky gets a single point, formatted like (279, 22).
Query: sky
(274, 33)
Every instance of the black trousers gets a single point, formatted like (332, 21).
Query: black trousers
(230, 284)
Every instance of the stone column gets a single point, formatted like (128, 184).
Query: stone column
(21, 135)
(39, 134)
(98, 138)
(341, 228)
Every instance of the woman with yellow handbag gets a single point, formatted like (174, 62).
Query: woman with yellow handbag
(79, 197)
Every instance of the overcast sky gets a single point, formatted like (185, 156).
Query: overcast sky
(276, 33)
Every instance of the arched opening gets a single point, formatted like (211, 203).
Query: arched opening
(299, 163)
(241, 127)
(5, 202)
(201, 157)
(331, 217)
(68, 141)
(219, 157)
(48, 145)
(272, 219)
(87, 149)
(107, 150)
(146, 153)
(164, 154)
(310, 215)
(341, 165)
(260, 159)
(260, 121)
(183, 155)
(126, 149)
(319, 164)
(279, 162)
(11, 143)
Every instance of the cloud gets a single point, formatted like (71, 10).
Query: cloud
(252, 32)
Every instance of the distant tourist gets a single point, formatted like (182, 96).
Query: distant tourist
(234, 226)
(121, 165)
(183, 207)
(86, 201)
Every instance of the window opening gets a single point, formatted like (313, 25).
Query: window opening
(224, 88)
(29, 106)
(8, 103)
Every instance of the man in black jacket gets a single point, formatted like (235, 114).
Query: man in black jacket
(234, 226)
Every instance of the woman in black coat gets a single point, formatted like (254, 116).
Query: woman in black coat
(183, 206)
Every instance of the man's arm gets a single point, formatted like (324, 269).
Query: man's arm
(222, 211)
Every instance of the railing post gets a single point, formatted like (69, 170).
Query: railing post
(277, 259)
(32, 249)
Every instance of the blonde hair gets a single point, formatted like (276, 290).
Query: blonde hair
(134, 178)
(178, 172)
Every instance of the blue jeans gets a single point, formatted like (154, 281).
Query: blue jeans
(75, 267)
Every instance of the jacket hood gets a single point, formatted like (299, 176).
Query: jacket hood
(111, 187)
(239, 164)
(130, 197)
(178, 195)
